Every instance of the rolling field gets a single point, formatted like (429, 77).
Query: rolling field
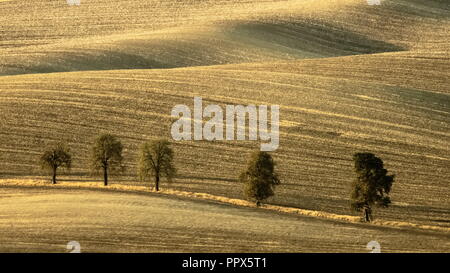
(117, 222)
(324, 120)
(50, 36)
(348, 77)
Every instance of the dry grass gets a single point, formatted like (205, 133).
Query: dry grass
(33, 183)
(408, 127)
(45, 219)
(126, 34)
(297, 54)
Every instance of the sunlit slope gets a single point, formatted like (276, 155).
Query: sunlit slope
(326, 116)
(126, 222)
(51, 36)
(425, 70)
(196, 46)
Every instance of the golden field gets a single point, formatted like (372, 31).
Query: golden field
(348, 77)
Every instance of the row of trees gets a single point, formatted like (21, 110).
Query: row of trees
(156, 158)
(371, 186)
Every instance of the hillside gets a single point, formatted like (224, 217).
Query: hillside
(324, 120)
(50, 36)
(349, 77)
(137, 223)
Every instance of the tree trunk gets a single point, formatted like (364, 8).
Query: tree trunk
(157, 182)
(105, 176)
(258, 203)
(367, 214)
(54, 175)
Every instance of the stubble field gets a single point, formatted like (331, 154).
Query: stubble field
(348, 77)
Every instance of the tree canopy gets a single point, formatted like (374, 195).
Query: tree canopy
(107, 155)
(55, 157)
(371, 186)
(259, 177)
(156, 160)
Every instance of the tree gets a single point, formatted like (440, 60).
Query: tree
(259, 178)
(107, 155)
(156, 160)
(371, 186)
(55, 157)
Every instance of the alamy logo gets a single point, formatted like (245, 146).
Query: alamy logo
(236, 117)
(374, 2)
(73, 2)
(74, 247)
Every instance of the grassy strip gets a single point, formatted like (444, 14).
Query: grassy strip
(210, 197)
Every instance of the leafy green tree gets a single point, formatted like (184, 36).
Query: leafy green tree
(260, 177)
(107, 155)
(371, 186)
(55, 157)
(156, 160)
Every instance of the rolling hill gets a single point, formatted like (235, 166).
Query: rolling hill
(51, 36)
(348, 77)
(136, 223)
(324, 120)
